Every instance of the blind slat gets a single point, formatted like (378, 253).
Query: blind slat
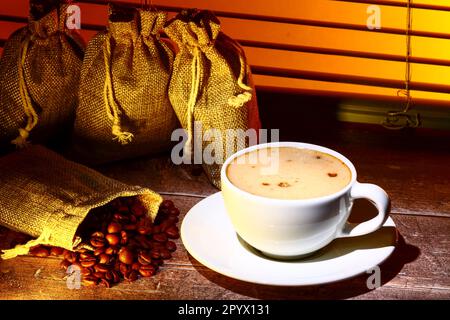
(426, 4)
(433, 23)
(345, 89)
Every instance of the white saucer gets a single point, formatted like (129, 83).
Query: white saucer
(209, 237)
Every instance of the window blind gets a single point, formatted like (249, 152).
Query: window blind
(319, 47)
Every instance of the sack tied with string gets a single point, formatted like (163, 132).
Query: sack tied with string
(39, 77)
(211, 87)
(48, 197)
(124, 109)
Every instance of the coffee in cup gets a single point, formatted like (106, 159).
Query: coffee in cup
(299, 174)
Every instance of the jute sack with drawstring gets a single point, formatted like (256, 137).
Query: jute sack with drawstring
(39, 77)
(211, 88)
(46, 196)
(124, 108)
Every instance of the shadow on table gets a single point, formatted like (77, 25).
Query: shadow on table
(353, 287)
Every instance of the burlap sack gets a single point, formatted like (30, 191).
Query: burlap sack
(39, 77)
(210, 84)
(46, 196)
(124, 109)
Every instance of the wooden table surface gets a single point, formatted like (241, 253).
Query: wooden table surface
(416, 176)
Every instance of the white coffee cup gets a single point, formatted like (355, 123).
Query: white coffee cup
(287, 229)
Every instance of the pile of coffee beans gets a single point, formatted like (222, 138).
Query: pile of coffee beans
(127, 244)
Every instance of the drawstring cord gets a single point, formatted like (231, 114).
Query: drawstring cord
(22, 249)
(195, 69)
(235, 101)
(32, 117)
(112, 109)
(241, 99)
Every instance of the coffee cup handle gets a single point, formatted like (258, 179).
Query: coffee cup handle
(379, 198)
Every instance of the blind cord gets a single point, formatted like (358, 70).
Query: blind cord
(393, 118)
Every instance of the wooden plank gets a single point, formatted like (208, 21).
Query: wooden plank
(418, 269)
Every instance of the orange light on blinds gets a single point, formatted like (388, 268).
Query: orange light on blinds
(319, 46)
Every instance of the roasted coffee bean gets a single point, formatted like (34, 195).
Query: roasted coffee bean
(99, 251)
(86, 272)
(40, 251)
(124, 269)
(173, 232)
(138, 210)
(154, 253)
(165, 254)
(65, 264)
(86, 255)
(165, 225)
(158, 245)
(126, 256)
(97, 242)
(131, 276)
(98, 234)
(171, 246)
(112, 250)
(101, 268)
(133, 220)
(144, 258)
(116, 276)
(173, 219)
(56, 251)
(160, 237)
(114, 227)
(71, 257)
(90, 281)
(147, 271)
(87, 263)
(121, 218)
(144, 230)
(99, 275)
(167, 204)
(105, 282)
(142, 261)
(174, 211)
(104, 258)
(136, 266)
(113, 239)
(123, 237)
(109, 276)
